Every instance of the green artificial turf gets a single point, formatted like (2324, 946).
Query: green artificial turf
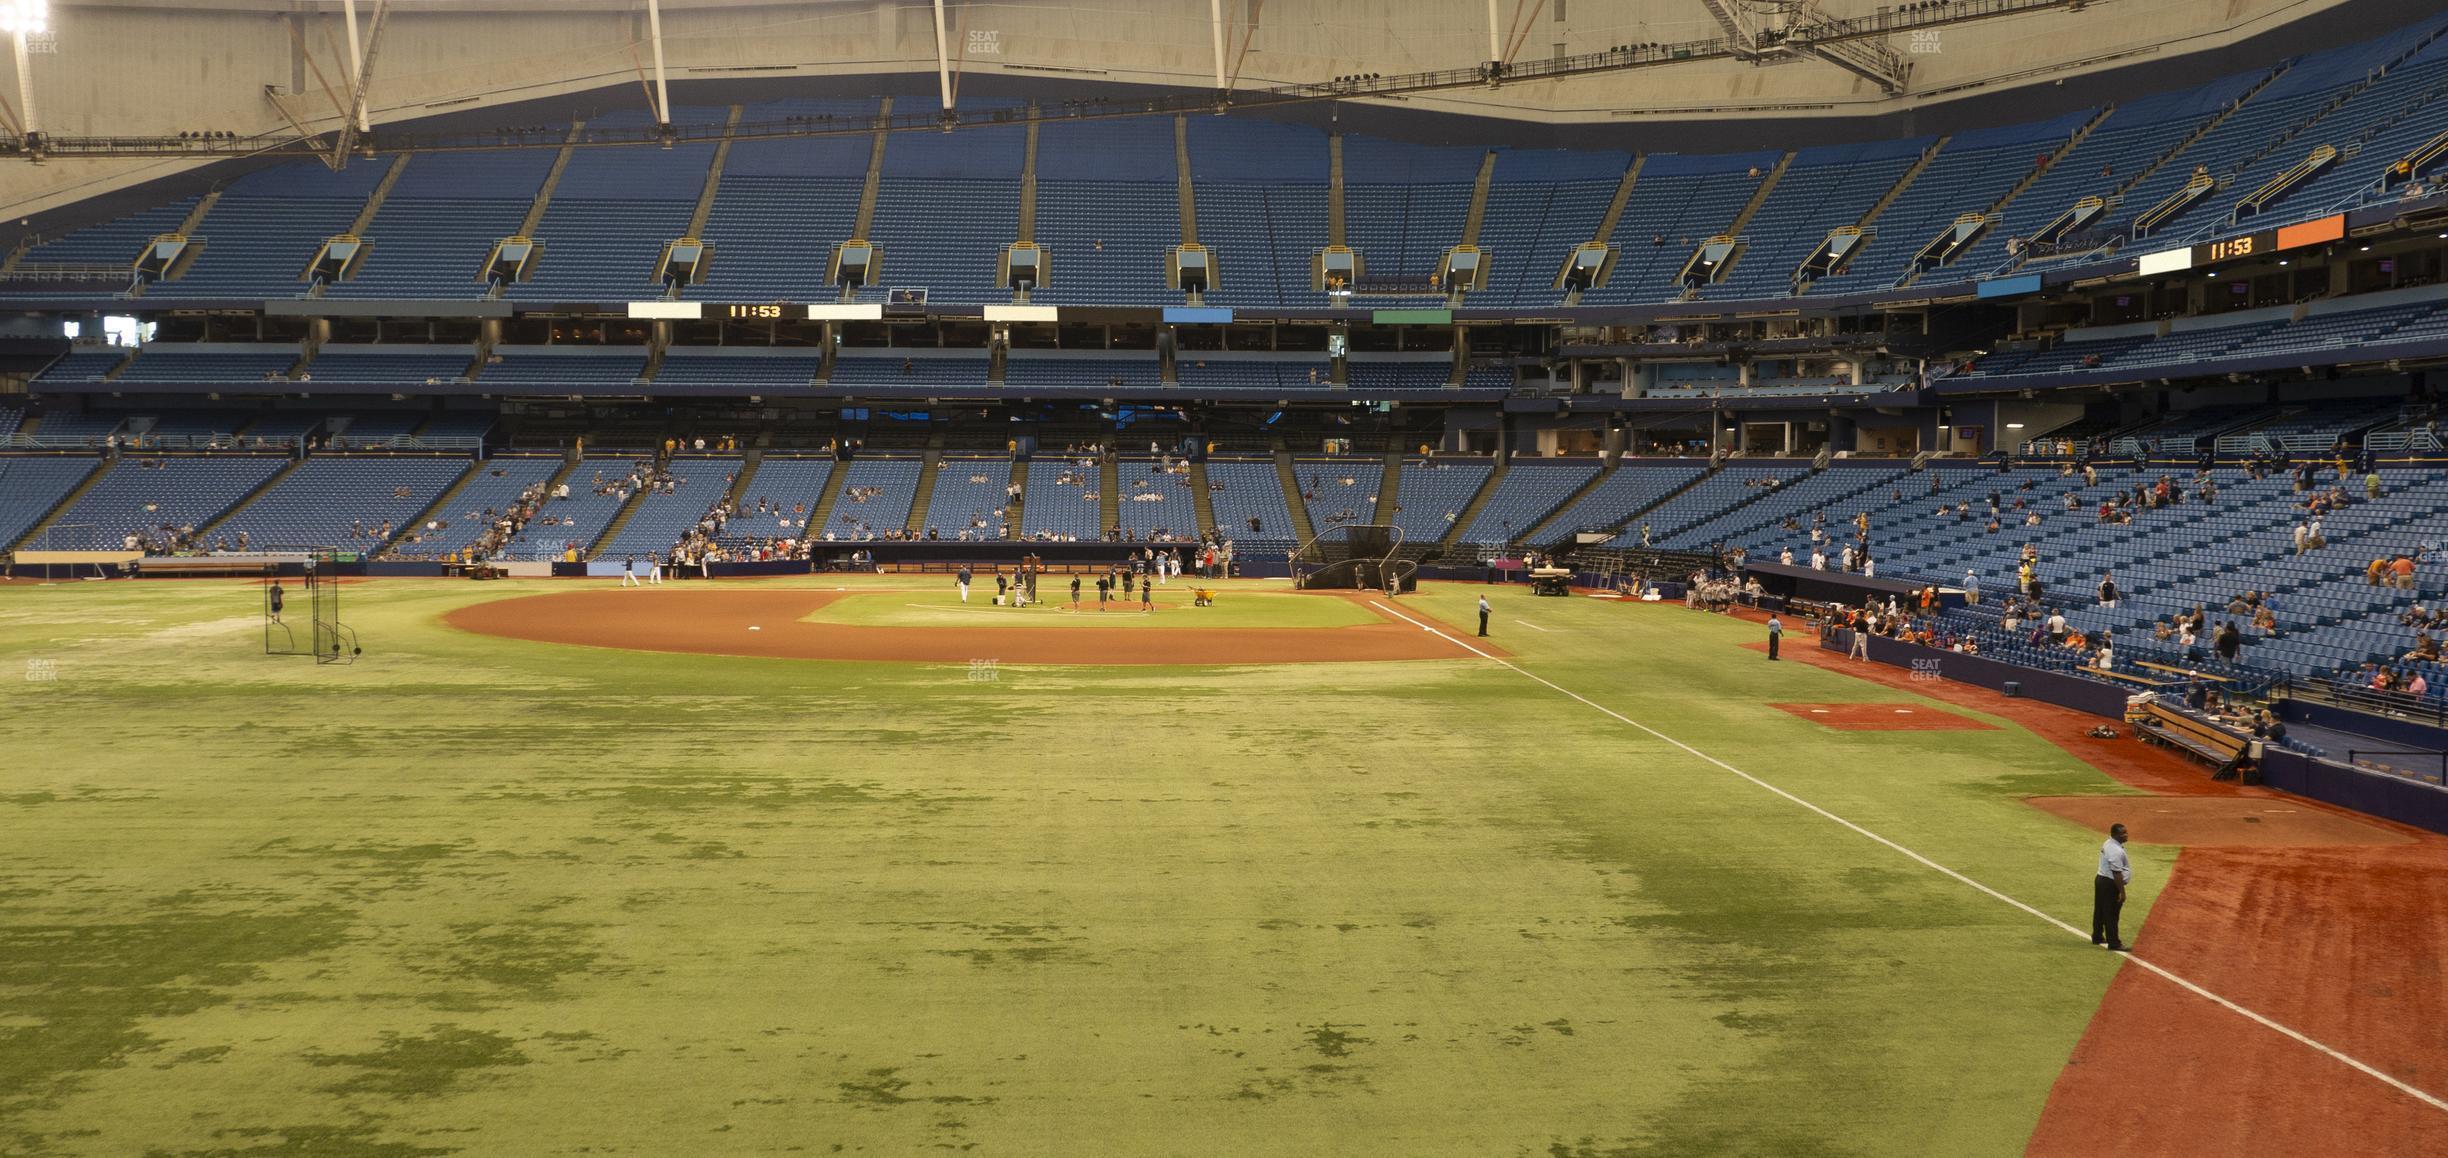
(482, 896)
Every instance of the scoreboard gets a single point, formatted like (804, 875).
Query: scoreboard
(756, 311)
(2250, 245)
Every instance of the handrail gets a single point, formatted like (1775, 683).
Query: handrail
(2442, 757)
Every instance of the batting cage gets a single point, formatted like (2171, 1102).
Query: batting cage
(316, 591)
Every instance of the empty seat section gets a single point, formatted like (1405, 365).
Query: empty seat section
(875, 498)
(1062, 500)
(1108, 210)
(157, 496)
(30, 485)
(1433, 491)
(790, 489)
(947, 204)
(971, 499)
(783, 203)
(1634, 485)
(909, 368)
(230, 364)
(1823, 189)
(1338, 491)
(1024, 368)
(1404, 205)
(561, 367)
(342, 501)
(1968, 176)
(1261, 190)
(1530, 489)
(259, 238)
(745, 367)
(1245, 489)
(613, 212)
(389, 365)
(430, 237)
(1678, 202)
(1156, 504)
(1540, 204)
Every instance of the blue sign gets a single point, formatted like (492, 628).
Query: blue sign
(2006, 287)
(1198, 315)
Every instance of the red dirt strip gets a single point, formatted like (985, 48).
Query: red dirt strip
(1883, 718)
(2344, 943)
(717, 621)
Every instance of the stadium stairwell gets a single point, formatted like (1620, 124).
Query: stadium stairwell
(1389, 487)
(1742, 220)
(1621, 525)
(704, 210)
(822, 516)
(1183, 190)
(1334, 190)
(875, 173)
(205, 529)
(1018, 507)
(434, 510)
(620, 518)
(924, 496)
(1478, 203)
(2116, 196)
(750, 460)
(1920, 166)
(195, 246)
(1292, 496)
(1025, 233)
(1200, 499)
(67, 502)
(1608, 222)
(543, 200)
(1109, 493)
(1471, 509)
(1992, 213)
(358, 225)
(1538, 526)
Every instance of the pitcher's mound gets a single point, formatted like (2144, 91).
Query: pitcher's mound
(2211, 821)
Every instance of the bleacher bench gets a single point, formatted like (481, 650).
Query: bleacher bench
(2209, 741)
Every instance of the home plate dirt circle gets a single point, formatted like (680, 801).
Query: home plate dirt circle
(772, 623)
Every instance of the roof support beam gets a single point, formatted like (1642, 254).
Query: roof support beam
(355, 115)
(654, 32)
(943, 58)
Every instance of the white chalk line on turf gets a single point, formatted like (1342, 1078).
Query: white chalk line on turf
(1530, 625)
(2182, 982)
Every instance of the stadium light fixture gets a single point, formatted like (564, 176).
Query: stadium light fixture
(27, 17)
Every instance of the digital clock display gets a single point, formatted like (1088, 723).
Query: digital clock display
(766, 312)
(2235, 248)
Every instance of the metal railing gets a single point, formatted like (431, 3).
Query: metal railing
(2440, 777)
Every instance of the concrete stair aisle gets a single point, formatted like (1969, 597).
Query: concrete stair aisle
(875, 174)
(1017, 507)
(1620, 525)
(620, 519)
(925, 494)
(101, 466)
(204, 532)
(1389, 488)
(1109, 492)
(1301, 527)
(1538, 527)
(186, 229)
(822, 516)
(749, 462)
(543, 200)
(435, 509)
(1470, 510)
(1201, 500)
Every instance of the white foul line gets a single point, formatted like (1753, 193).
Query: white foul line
(1530, 625)
(2426, 1098)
